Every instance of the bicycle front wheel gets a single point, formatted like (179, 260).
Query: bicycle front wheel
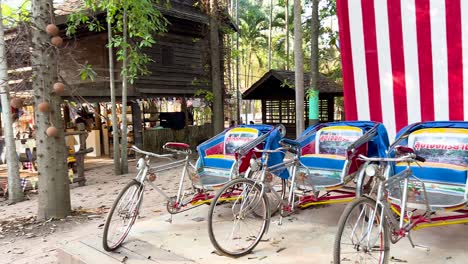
(238, 217)
(361, 237)
(122, 215)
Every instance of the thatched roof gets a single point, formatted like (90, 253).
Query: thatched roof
(68, 7)
(279, 84)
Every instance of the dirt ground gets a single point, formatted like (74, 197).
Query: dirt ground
(25, 240)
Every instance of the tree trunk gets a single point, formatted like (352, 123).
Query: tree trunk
(314, 60)
(269, 34)
(15, 193)
(287, 34)
(249, 68)
(238, 95)
(299, 68)
(218, 109)
(123, 156)
(246, 70)
(115, 125)
(54, 184)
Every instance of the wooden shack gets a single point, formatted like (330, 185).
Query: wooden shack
(181, 57)
(275, 90)
(181, 65)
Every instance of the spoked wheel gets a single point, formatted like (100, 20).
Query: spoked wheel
(358, 239)
(275, 190)
(122, 215)
(238, 217)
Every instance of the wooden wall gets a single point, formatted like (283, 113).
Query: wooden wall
(181, 61)
(154, 139)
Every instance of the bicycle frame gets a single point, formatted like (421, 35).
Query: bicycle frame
(294, 163)
(144, 167)
(399, 227)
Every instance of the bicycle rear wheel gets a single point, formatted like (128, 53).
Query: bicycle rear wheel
(358, 240)
(275, 190)
(122, 215)
(238, 217)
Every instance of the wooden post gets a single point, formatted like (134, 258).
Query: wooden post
(137, 125)
(80, 159)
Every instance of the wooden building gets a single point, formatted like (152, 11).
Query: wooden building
(181, 57)
(275, 90)
(181, 65)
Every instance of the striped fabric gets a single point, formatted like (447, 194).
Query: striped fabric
(404, 61)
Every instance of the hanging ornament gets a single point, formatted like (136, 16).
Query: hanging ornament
(52, 30)
(16, 103)
(59, 88)
(44, 107)
(52, 131)
(57, 41)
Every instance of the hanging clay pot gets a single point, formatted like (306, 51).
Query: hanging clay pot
(59, 88)
(57, 41)
(52, 30)
(52, 131)
(44, 107)
(16, 103)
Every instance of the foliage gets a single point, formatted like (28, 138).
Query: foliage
(254, 23)
(311, 93)
(208, 95)
(87, 72)
(11, 16)
(145, 21)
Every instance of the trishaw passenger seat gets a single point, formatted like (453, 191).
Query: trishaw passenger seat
(328, 150)
(445, 171)
(325, 155)
(217, 161)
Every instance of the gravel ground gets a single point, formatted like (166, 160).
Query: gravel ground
(23, 239)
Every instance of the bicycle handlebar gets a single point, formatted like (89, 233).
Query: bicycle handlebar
(419, 158)
(410, 157)
(150, 154)
(270, 150)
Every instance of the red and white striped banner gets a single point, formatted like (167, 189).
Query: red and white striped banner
(404, 61)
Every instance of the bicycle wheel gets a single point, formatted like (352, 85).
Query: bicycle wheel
(238, 217)
(358, 240)
(122, 215)
(275, 190)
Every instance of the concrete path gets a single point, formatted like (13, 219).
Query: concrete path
(306, 237)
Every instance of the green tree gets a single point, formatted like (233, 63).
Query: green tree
(253, 23)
